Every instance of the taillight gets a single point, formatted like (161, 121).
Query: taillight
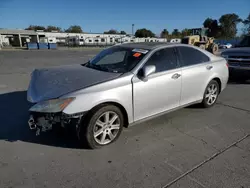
(227, 64)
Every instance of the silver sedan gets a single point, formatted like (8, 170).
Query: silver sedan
(123, 85)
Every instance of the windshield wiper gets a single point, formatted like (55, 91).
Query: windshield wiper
(105, 68)
(99, 67)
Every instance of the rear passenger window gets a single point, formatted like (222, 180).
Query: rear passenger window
(163, 60)
(191, 56)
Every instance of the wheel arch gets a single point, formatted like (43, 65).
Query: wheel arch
(121, 107)
(218, 81)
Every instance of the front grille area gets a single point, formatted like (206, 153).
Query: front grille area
(239, 60)
(240, 57)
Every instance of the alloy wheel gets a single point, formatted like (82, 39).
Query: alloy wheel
(211, 94)
(106, 127)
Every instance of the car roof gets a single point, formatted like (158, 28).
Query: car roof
(156, 45)
(146, 45)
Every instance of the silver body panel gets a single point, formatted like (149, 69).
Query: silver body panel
(162, 91)
(158, 94)
(57, 81)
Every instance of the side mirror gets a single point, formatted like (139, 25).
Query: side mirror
(146, 71)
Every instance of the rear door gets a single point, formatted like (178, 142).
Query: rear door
(196, 70)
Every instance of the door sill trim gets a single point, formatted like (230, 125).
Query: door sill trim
(163, 113)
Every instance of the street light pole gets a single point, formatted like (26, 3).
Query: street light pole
(133, 29)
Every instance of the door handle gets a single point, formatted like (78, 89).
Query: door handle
(209, 67)
(176, 76)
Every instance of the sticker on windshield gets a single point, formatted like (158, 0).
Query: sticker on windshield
(137, 54)
(140, 51)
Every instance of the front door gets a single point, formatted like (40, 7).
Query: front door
(161, 91)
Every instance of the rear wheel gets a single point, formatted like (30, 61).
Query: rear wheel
(211, 94)
(101, 127)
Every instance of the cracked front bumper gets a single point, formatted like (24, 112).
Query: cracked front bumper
(42, 122)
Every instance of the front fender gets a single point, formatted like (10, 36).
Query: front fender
(86, 101)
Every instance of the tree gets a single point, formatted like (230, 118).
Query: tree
(176, 33)
(208, 22)
(228, 24)
(164, 33)
(53, 28)
(246, 23)
(35, 27)
(111, 31)
(185, 32)
(214, 30)
(123, 33)
(144, 33)
(74, 29)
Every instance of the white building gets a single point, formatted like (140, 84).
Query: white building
(20, 37)
(17, 37)
(80, 38)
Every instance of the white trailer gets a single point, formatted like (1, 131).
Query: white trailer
(48, 40)
(75, 41)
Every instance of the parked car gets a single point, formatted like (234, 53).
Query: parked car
(239, 60)
(175, 40)
(124, 85)
(225, 46)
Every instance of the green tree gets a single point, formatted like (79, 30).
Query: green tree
(214, 30)
(74, 29)
(228, 24)
(176, 33)
(246, 23)
(144, 33)
(35, 27)
(123, 33)
(208, 22)
(111, 31)
(185, 32)
(164, 33)
(53, 28)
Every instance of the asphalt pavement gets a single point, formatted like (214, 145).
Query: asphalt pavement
(189, 148)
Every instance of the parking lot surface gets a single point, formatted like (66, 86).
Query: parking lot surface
(192, 147)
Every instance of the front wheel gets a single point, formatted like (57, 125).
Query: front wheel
(202, 46)
(101, 127)
(211, 94)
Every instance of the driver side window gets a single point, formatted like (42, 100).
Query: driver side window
(164, 60)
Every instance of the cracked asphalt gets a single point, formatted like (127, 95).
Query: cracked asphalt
(189, 148)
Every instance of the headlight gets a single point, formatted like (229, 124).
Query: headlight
(224, 55)
(51, 106)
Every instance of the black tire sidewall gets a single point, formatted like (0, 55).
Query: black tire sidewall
(204, 102)
(86, 135)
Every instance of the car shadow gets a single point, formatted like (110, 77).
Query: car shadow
(238, 82)
(14, 115)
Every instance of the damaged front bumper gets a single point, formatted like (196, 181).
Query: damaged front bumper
(42, 122)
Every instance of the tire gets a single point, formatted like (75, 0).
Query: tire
(89, 126)
(202, 46)
(208, 99)
(213, 48)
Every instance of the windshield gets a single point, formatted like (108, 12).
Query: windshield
(117, 59)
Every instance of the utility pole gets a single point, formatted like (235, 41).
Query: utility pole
(133, 29)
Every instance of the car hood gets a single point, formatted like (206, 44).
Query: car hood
(54, 82)
(241, 50)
